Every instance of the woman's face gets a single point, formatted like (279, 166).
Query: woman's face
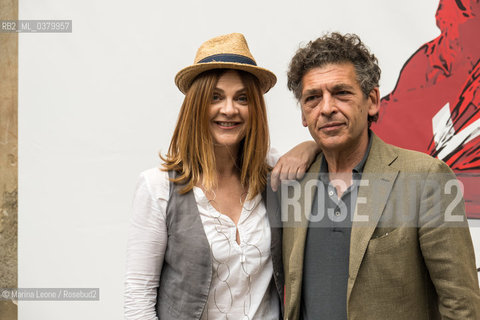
(228, 111)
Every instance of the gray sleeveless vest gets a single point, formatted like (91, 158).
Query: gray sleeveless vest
(187, 268)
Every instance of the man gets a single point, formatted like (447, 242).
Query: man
(384, 234)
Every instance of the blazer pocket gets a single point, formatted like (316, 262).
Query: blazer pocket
(386, 240)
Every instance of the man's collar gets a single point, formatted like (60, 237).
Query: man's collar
(360, 166)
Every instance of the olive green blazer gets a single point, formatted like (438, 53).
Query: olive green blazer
(406, 262)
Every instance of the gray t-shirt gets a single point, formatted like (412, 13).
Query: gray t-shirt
(327, 248)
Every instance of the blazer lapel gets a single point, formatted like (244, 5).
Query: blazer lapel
(294, 234)
(306, 201)
(371, 201)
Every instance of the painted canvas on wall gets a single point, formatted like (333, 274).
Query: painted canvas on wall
(434, 107)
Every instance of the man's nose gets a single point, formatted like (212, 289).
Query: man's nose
(328, 106)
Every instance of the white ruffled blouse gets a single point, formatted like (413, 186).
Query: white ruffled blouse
(242, 286)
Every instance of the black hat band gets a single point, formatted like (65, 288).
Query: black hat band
(228, 57)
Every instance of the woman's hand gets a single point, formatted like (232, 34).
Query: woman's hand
(293, 164)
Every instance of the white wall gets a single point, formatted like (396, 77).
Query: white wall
(96, 106)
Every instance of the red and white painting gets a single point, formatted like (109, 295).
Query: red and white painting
(435, 105)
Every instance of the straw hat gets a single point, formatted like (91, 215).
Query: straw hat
(224, 52)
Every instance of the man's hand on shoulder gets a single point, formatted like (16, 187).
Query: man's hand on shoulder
(293, 164)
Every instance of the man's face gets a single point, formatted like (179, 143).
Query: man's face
(334, 108)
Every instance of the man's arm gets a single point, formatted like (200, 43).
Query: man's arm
(293, 164)
(446, 245)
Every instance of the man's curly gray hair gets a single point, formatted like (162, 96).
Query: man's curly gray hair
(335, 48)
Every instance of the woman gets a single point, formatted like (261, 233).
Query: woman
(201, 246)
